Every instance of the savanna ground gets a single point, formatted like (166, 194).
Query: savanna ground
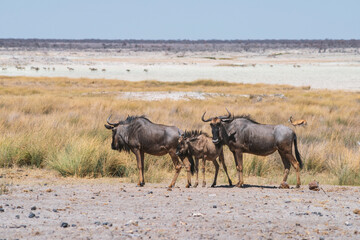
(55, 155)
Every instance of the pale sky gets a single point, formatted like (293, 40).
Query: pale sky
(185, 19)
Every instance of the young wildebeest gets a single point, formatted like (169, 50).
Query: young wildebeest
(243, 135)
(199, 145)
(139, 135)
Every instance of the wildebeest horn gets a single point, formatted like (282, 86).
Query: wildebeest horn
(202, 118)
(114, 124)
(226, 117)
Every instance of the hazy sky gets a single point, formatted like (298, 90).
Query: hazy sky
(183, 19)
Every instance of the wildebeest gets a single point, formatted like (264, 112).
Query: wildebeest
(200, 145)
(139, 135)
(244, 135)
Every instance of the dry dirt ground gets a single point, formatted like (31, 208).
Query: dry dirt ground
(45, 206)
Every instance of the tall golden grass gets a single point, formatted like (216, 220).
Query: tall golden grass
(58, 123)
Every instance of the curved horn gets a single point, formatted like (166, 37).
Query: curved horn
(202, 118)
(114, 124)
(226, 117)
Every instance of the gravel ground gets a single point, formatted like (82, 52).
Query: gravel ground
(91, 209)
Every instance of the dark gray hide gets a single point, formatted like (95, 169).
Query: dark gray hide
(244, 135)
(139, 135)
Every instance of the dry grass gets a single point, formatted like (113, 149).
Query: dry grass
(57, 123)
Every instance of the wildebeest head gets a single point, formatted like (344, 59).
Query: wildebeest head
(185, 138)
(182, 147)
(119, 135)
(215, 124)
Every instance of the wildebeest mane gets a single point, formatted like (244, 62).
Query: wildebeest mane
(130, 119)
(247, 117)
(194, 133)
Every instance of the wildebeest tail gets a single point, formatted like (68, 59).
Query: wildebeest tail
(297, 154)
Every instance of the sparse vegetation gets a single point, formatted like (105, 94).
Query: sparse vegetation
(58, 123)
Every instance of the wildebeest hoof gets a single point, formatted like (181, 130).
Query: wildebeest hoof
(297, 186)
(239, 185)
(213, 185)
(284, 185)
(204, 185)
(195, 185)
(188, 185)
(140, 184)
(230, 183)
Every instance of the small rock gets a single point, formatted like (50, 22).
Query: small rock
(55, 210)
(214, 206)
(356, 211)
(33, 208)
(151, 192)
(49, 190)
(348, 224)
(212, 195)
(197, 214)
(318, 213)
(31, 215)
(107, 224)
(2, 210)
(132, 222)
(97, 223)
(287, 201)
(73, 225)
(64, 225)
(314, 186)
(17, 216)
(321, 238)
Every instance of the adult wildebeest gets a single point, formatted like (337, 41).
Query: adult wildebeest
(200, 145)
(139, 135)
(244, 135)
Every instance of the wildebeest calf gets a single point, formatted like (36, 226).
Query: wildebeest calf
(200, 145)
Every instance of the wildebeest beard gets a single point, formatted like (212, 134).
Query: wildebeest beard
(123, 140)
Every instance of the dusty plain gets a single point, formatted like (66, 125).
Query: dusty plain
(41, 205)
(298, 67)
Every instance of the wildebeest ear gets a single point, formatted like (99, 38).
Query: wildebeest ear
(108, 126)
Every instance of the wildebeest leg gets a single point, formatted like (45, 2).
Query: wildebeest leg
(239, 168)
(216, 172)
(286, 171)
(142, 167)
(188, 170)
(139, 159)
(197, 172)
(203, 172)
(296, 165)
(222, 160)
(177, 166)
